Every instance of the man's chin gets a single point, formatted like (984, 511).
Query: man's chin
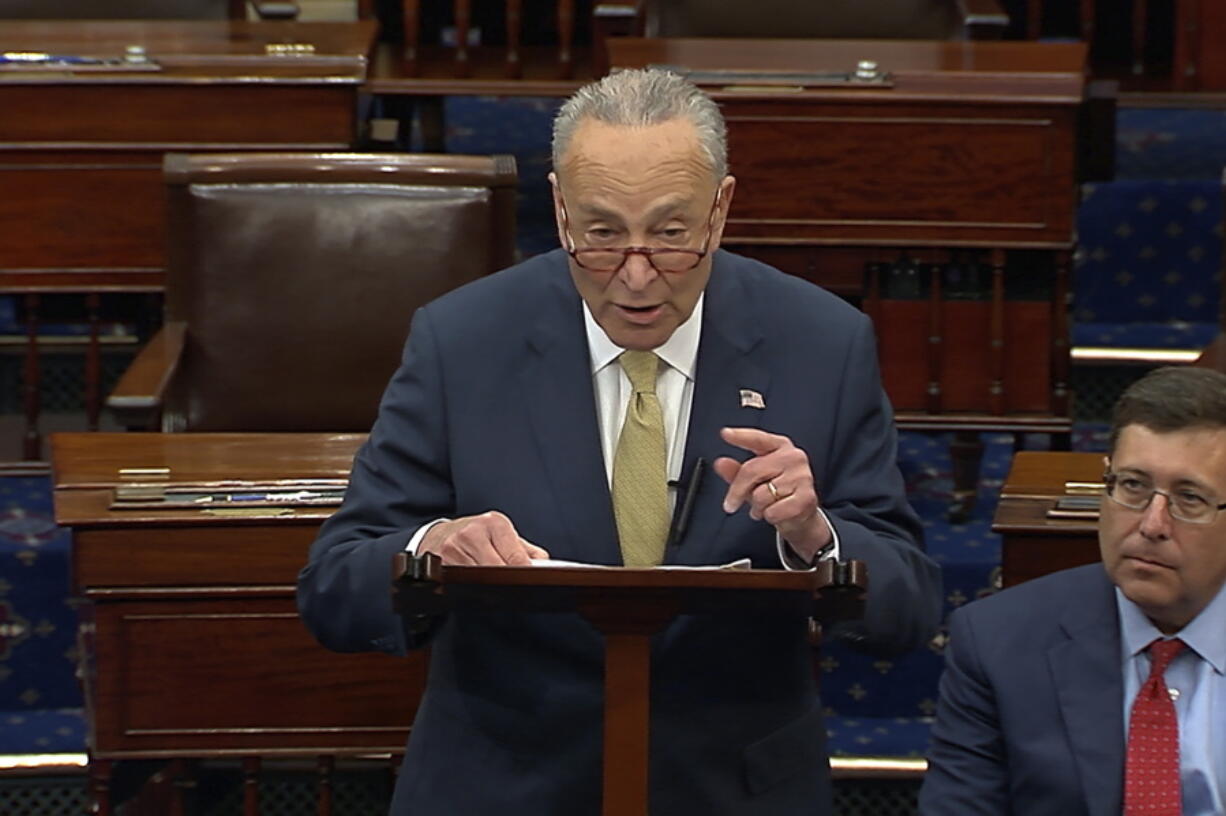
(639, 338)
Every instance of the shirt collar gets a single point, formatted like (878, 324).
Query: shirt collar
(680, 351)
(1203, 634)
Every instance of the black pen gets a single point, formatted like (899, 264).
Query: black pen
(687, 503)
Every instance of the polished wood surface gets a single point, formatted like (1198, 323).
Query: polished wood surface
(191, 636)
(1032, 542)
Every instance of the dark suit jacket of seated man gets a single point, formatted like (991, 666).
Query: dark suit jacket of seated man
(493, 424)
(1039, 680)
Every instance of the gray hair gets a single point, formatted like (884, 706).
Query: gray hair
(1172, 399)
(640, 97)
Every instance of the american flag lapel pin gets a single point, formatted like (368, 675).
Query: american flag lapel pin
(752, 399)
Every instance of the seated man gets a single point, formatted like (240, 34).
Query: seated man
(547, 410)
(1101, 689)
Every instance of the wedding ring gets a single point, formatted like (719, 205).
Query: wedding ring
(774, 490)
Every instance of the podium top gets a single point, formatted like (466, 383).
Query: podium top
(616, 597)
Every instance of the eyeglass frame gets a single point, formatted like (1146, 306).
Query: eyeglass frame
(646, 252)
(1110, 479)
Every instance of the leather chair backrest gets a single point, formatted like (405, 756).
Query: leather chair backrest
(298, 275)
(115, 9)
(823, 19)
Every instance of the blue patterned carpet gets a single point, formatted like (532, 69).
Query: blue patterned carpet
(40, 701)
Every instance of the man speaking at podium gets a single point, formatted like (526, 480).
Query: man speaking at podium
(569, 407)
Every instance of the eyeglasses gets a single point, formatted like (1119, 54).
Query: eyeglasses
(1183, 504)
(663, 259)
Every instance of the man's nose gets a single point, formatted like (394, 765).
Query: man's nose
(1156, 518)
(637, 272)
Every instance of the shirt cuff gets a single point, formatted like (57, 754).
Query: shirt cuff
(415, 541)
(791, 561)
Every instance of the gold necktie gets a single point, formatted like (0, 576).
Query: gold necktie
(640, 489)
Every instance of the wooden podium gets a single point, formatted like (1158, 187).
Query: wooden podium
(627, 606)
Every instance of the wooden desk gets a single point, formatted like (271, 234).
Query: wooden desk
(190, 634)
(966, 146)
(82, 208)
(1031, 543)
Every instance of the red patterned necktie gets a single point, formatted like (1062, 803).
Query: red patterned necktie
(1151, 771)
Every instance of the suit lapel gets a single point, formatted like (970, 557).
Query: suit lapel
(726, 365)
(1089, 683)
(561, 402)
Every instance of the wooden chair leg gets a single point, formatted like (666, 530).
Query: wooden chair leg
(463, 23)
(996, 340)
(1140, 14)
(1061, 363)
(325, 769)
(431, 116)
(566, 38)
(411, 55)
(514, 16)
(251, 786)
(966, 456)
(32, 381)
(93, 362)
(98, 788)
(1185, 72)
(1087, 22)
(1034, 19)
(183, 775)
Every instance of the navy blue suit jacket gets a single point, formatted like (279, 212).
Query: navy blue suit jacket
(1030, 720)
(493, 409)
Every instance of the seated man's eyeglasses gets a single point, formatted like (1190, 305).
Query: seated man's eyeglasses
(1184, 504)
(662, 259)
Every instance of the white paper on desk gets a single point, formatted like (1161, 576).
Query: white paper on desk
(739, 564)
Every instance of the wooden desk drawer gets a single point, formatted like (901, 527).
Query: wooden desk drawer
(210, 676)
(198, 115)
(898, 174)
(212, 555)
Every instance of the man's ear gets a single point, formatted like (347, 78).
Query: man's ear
(726, 188)
(555, 190)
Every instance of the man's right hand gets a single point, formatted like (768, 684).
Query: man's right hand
(489, 539)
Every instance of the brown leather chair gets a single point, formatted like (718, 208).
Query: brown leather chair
(825, 19)
(145, 9)
(292, 278)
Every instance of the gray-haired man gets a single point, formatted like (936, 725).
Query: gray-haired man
(547, 409)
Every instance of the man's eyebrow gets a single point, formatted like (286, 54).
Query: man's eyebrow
(1183, 481)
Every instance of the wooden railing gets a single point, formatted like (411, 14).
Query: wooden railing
(36, 343)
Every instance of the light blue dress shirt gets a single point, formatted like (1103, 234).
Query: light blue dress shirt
(1198, 674)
